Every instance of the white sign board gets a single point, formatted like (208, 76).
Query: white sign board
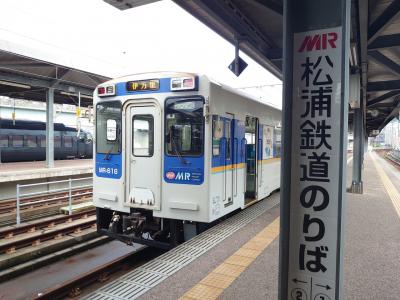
(315, 164)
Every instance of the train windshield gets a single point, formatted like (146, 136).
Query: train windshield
(184, 130)
(108, 127)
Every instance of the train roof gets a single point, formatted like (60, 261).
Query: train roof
(32, 125)
(170, 74)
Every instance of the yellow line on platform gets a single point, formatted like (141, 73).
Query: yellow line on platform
(211, 286)
(390, 188)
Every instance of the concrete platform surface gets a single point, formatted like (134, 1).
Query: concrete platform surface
(20, 171)
(371, 261)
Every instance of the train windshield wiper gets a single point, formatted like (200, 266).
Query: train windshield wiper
(107, 156)
(183, 160)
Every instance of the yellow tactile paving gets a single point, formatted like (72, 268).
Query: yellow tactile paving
(239, 260)
(256, 245)
(248, 252)
(390, 188)
(222, 276)
(229, 269)
(204, 292)
(218, 280)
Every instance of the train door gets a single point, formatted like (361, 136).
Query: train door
(259, 150)
(143, 156)
(252, 149)
(228, 160)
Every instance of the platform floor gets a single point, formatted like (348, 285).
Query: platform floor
(371, 254)
(35, 170)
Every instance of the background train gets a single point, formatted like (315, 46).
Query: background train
(26, 141)
(176, 152)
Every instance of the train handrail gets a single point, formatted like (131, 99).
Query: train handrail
(68, 189)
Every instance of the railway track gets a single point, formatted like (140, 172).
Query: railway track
(13, 239)
(96, 277)
(9, 206)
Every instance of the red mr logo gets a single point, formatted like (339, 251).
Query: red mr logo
(316, 42)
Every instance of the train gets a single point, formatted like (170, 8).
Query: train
(23, 140)
(177, 152)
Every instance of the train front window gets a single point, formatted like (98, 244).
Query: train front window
(184, 130)
(108, 127)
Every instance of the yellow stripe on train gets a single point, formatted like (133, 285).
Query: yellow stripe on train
(242, 165)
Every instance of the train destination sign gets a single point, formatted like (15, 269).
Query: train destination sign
(143, 85)
(315, 199)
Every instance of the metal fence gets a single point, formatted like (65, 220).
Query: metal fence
(71, 184)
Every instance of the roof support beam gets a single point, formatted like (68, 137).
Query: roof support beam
(377, 86)
(383, 97)
(385, 41)
(392, 115)
(379, 25)
(385, 61)
(272, 5)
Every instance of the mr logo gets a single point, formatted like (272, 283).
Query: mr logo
(185, 176)
(318, 41)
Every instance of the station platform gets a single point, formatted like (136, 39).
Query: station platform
(238, 258)
(20, 171)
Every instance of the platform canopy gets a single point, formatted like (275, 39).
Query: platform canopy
(258, 25)
(29, 78)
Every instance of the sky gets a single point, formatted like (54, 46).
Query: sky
(94, 36)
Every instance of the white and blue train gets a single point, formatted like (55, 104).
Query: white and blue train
(175, 152)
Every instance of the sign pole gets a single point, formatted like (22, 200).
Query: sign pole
(316, 88)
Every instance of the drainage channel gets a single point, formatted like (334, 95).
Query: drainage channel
(142, 279)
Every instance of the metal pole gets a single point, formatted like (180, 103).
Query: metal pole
(237, 66)
(70, 197)
(18, 204)
(50, 128)
(356, 184)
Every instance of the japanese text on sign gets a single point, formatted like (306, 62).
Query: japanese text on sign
(314, 194)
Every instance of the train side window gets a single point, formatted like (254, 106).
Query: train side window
(42, 141)
(17, 141)
(57, 141)
(143, 135)
(67, 141)
(277, 142)
(217, 135)
(31, 141)
(4, 141)
(228, 139)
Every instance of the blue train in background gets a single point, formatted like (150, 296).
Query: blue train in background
(26, 141)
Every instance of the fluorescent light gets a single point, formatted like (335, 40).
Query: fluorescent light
(24, 86)
(75, 95)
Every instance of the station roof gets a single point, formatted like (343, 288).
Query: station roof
(29, 78)
(258, 24)
(375, 36)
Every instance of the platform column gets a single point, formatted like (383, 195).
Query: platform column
(50, 128)
(358, 153)
(313, 170)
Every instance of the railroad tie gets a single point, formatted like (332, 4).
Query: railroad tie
(10, 250)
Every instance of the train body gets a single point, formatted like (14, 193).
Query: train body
(26, 141)
(177, 151)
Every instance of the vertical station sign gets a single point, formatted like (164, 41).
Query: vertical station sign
(315, 164)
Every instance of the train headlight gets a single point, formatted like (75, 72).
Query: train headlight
(106, 90)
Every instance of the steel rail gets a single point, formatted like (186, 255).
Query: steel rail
(36, 239)
(32, 227)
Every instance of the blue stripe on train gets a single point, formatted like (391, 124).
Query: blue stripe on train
(165, 87)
